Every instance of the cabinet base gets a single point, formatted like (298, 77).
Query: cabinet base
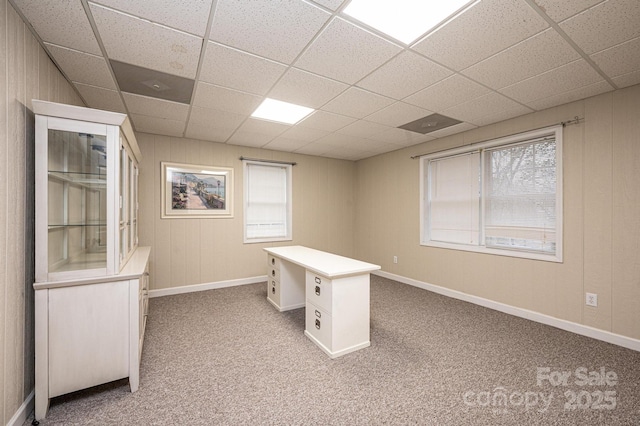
(286, 308)
(336, 354)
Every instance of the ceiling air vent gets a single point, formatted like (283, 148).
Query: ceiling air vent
(156, 84)
(429, 124)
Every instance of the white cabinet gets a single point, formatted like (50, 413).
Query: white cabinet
(285, 284)
(333, 289)
(86, 192)
(92, 279)
(337, 316)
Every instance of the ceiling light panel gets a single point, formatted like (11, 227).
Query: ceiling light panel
(281, 112)
(404, 20)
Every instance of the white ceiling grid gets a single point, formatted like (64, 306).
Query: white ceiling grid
(498, 59)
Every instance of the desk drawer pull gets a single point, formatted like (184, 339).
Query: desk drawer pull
(318, 324)
(318, 280)
(273, 290)
(273, 272)
(318, 314)
(317, 290)
(273, 261)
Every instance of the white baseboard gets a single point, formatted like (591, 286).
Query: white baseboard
(206, 286)
(605, 336)
(23, 412)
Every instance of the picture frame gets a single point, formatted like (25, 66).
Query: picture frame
(196, 191)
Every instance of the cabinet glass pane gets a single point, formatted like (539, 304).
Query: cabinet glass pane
(77, 199)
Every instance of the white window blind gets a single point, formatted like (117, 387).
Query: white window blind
(520, 196)
(454, 195)
(267, 202)
(502, 196)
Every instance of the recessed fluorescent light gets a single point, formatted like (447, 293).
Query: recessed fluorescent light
(282, 112)
(404, 20)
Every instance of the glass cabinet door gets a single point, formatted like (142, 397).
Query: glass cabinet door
(77, 201)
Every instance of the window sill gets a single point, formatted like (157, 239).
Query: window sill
(557, 258)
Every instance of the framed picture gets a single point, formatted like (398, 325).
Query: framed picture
(196, 191)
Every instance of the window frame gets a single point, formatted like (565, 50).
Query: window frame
(289, 201)
(425, 219)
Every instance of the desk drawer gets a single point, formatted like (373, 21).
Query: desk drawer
(273, 274)
(318, 323)
(273, 262)
(273, 290)
(319, 290)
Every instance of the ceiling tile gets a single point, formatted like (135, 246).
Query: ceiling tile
(571, 95)
(494, 117)
(277, 30)
(561, 10)
(627, 80)
(153, 107)
(305, 134)
(306, 89)
(348, 141)
(157, 126)
(207, 132)
(331, 4)
(238, 70)
(363, 129)
(607, 24)
(139, 42)
(457, 128)
(215, 118)
(223, 99)
(403, 75)
(323, 120)
(567, 77)
(477, 108)
(400, 137)
(254, 132)
(282, 143)
(620, 59)
(191, 16)
(314, 148)
(357, 103)
(83, 67)
(100, 98)
(52, 18)
(343, 43)
(540, 53)
(483, 30)
(398, 114)
(449, 92)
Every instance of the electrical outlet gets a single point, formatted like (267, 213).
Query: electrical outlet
(592, 299)
(395, 259)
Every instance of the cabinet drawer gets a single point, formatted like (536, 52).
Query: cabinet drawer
(273, 290)
(273, 262)
(318, 290)
(273, 274)
(319, 324)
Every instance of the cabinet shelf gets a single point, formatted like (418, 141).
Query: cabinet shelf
(89, 180)
(75, 225)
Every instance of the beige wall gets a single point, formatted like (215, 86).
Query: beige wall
(601, 220)
(195, 251)
(25, 73)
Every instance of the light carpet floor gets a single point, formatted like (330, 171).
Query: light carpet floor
(227, 357)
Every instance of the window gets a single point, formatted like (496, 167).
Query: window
(502, 196)
(267, 202)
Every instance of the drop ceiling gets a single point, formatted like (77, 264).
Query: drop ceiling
(497, 60)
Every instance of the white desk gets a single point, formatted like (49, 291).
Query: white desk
(333, 289)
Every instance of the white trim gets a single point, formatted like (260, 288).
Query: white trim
(583, 330)
(205, 286)
(23, 412)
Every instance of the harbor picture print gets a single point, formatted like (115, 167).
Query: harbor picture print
(196, 191)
